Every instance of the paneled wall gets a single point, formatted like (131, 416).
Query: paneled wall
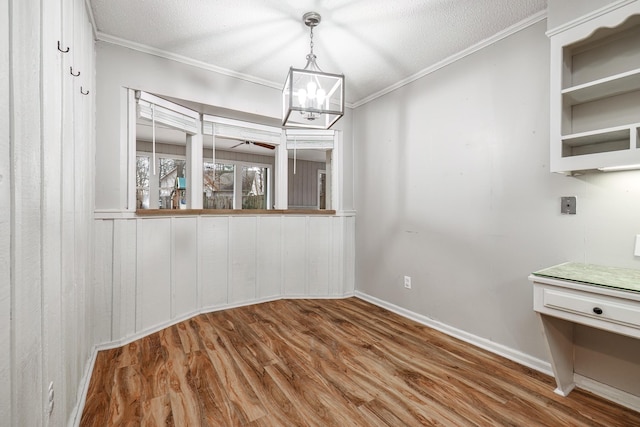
(46, 188)
(154, 271)
(303, 184)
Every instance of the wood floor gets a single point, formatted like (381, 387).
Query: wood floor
(324, 363)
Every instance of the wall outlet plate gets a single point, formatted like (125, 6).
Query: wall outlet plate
(407, 282)
(637, 250)
(568, 205)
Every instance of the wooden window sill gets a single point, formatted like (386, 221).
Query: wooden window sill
(226, 212)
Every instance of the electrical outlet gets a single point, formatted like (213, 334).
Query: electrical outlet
(407, 282)
(568, 205)
(51, 399)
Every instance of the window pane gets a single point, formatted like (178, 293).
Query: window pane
(142, 182)
(254, 187)
(218, 186)
(170, 169)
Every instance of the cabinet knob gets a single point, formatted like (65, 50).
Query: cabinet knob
(597, 310)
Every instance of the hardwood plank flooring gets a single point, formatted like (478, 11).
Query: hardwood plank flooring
(324, 363)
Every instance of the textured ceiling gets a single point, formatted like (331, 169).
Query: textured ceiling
(375, 43)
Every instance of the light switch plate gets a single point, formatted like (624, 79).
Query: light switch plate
(637, 251)
(568, 205)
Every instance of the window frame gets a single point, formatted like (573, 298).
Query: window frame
(206, 125)
(154, 187)
(237, 177)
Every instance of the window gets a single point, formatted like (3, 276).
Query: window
(172, 189)
(165, 190)
(142, 182)
(236, 185)
(218, 185)
(254, 187)
(322, 189)
(164, 139)
(245, 160)
(181, 158)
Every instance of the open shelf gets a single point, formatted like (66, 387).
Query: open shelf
(595, 92)
(609, 86)
(598, 136)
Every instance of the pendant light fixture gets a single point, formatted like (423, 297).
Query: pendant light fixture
(312, 98)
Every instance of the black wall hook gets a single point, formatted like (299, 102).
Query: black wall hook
(63, 51)
(83, 92)
(74, 75)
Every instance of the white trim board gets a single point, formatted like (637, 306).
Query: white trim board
(493, 347)
(603, 390)
(606, 391)
(588, 17)
(83, 389)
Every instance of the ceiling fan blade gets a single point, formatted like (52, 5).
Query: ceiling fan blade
(264, 145)
(237, 145)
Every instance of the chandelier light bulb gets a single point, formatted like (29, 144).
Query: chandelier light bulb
(311, 89)
(302, 97)
(321, 95)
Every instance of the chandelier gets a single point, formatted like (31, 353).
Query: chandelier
(312, 98)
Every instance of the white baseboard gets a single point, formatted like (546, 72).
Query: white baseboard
(502, 350)
(160, 326)
(83, 388)
(605, 391)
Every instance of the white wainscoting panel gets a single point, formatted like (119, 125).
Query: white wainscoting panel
(103, 273)
(318, 255)
(184, 266)
(153, 293)
(124, 258)
(294, 235)
(213, 257)
(269, 244)
(243, 253)
(152, 272)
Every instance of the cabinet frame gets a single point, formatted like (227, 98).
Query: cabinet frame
(595, 122)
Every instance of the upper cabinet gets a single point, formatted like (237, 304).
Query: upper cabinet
(595, 93)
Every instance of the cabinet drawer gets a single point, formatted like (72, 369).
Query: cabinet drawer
(619, 311)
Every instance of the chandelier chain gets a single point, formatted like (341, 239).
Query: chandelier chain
(311, 40)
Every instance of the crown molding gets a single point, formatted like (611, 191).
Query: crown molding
(588, 17)
(534, 19)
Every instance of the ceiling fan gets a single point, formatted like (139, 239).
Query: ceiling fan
(258, 144)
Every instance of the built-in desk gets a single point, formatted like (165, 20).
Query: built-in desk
(600, 297)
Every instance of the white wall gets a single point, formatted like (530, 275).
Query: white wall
(453, 188)
(45, 214)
